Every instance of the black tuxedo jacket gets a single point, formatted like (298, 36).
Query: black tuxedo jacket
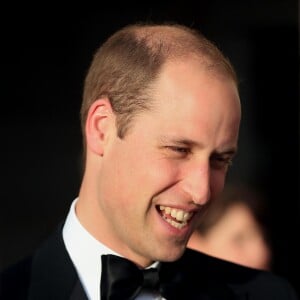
(50, 274)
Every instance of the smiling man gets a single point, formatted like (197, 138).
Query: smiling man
(160, 120)
(142, 193)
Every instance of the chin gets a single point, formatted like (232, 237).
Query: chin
(171, 255)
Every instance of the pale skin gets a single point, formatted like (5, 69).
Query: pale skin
(175, 156)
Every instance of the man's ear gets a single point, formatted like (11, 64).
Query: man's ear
(100, 120)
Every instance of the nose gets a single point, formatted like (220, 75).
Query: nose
(197, 183)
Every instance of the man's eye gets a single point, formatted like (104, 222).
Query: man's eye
(180, 150)
(220, 162)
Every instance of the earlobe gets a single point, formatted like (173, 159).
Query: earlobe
(97, 125)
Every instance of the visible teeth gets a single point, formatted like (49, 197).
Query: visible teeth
(174, 213)
(186, 216)
(178, 214)
(175, 224)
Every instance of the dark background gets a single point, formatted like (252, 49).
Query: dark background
(46, 52)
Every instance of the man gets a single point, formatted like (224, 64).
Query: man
(160, 119)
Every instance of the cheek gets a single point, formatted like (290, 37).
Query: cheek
(142, 174)
(155, 175)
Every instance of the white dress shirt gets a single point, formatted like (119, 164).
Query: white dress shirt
(85, 252)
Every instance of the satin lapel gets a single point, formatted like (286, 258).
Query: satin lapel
(53, 274)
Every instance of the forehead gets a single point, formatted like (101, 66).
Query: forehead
(189, 103)
(191, 94)
(193, 75)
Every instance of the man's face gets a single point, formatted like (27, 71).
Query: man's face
(156, 181)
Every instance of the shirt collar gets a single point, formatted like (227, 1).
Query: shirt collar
(85, 252)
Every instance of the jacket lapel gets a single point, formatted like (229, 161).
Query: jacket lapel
(78, 292)
(53, 274)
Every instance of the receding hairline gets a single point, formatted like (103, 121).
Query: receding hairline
(177, 41)
(169, 34)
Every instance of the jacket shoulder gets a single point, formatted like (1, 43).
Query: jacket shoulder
(251, 283)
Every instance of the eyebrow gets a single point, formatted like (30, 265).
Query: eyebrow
(179, 141)
(191, 143)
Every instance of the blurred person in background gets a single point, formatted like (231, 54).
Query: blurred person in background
(234, 229)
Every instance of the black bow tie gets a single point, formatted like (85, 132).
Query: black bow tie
(122, 279)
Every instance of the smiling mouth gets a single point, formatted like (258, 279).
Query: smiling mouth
(175, 217)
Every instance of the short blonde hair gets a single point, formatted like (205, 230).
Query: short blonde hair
(124, 67)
